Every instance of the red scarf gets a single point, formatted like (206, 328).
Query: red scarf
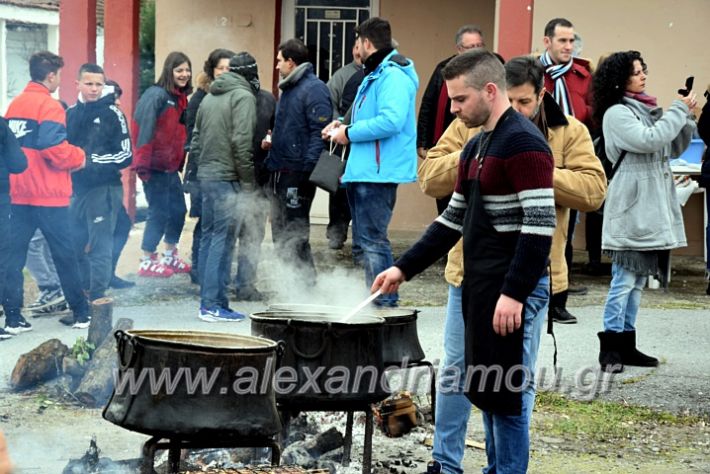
(440, 117)
(644, 98)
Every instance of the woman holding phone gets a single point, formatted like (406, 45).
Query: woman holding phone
(642, 217)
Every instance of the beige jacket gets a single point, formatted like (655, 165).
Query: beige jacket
(579, 183)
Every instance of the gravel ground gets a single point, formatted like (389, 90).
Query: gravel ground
(45, 431)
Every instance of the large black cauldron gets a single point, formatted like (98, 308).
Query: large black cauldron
(326, 364)
(401, 341)
(400, 338)
(234, 398)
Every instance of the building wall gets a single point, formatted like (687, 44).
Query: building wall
(196, 28)
(23, 31)
(426, 34)
(671, 36)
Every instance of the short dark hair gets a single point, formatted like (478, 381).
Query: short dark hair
(213, 60)
(479, 66)
(295, 50)
(44, 62)
(117, 91)
(91, 68)
(555, 22)
(467, 29)
(167, 80)
(525, 70)
(377, 30)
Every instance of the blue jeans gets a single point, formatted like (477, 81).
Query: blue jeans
(371, 206)
(453, 408)
(40, 264)
(166, 210)
(623, 300)
(221, 208)
(508, 437)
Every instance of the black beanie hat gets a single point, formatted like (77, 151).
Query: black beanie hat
(244, 64)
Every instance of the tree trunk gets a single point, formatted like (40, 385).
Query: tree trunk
(101, 320)
(40, 364)
(96, 386)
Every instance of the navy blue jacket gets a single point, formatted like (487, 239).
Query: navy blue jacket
(12, 159)
(301, 114)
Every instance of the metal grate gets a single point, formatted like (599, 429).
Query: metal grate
(329, 32)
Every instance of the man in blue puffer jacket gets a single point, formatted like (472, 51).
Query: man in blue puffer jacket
(383, 136)
(302, 112)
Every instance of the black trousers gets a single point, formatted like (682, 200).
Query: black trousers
(338, 216)
(291, 199)
(120, 236)
(593, 235)
(95, 214)
(53, 222)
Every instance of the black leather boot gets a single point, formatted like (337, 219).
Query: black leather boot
(609, 352)
(632, 356)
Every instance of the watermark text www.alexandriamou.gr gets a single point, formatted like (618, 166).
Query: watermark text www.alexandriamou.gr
(587, 382)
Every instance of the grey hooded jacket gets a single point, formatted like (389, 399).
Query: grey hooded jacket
(642, 211)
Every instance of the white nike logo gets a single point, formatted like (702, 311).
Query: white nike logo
(19, 128)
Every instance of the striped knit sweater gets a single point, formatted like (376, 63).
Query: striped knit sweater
(516, 189)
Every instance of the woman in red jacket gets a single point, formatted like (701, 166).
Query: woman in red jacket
(160, 137)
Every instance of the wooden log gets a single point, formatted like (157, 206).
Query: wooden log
(71, 366)
(101, 320)
(40, 364)
(97, 384)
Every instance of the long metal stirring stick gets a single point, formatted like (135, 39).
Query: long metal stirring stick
(361, 306)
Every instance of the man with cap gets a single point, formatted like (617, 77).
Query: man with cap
(222, 144)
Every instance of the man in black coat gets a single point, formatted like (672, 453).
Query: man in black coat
(435, 110)
(99, 127)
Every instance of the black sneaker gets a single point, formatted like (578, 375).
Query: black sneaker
(18, 327)
(67, 320)
(335, 244)
(577, 290)
(562, 316)
(59, 308)
(46, 299)
(120, 284)
(433, 467)
(4, 334)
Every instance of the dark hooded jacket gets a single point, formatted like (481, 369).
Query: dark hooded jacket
(223, 137)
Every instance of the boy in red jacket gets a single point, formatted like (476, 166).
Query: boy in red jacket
(40, 195)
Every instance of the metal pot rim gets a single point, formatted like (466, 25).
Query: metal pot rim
(212, 341)
(315, 319)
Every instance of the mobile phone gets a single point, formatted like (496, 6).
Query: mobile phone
(688, 86)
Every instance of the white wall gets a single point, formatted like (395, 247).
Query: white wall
(22, 32)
